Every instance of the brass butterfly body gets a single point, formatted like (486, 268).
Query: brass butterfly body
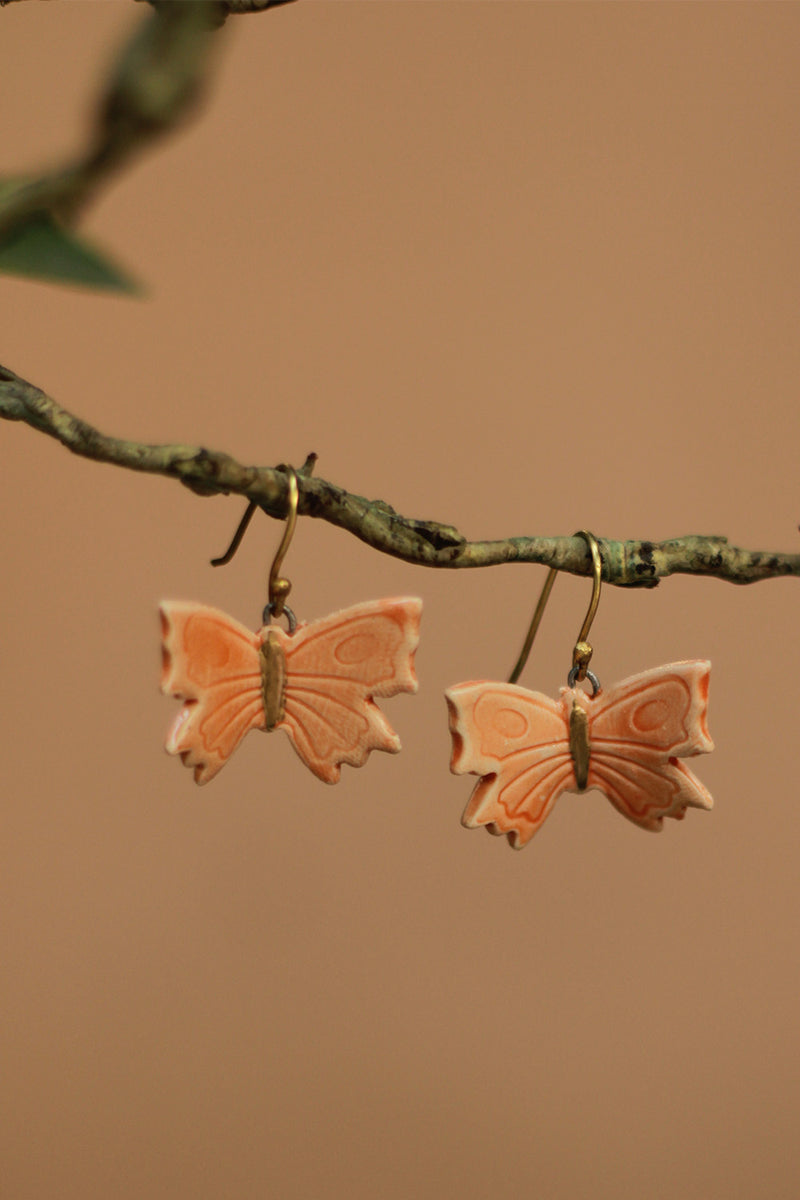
(579, 745)
(273, 679)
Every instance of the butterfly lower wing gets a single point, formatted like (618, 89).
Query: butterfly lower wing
(645, 788)
(334, 669)
(638, 732)
(517, 741)
(210, 661)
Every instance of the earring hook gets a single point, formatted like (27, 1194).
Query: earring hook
(241, 530)
(279, 587)
(252, 505)
(582, 653)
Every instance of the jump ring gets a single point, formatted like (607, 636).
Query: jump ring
(572, 679)
(291, 619)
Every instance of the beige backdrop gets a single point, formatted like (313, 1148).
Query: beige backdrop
(523, 268)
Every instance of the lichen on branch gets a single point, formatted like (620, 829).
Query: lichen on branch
(423, 543)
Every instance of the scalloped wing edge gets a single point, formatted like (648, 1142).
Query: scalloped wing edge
(379, 735)
(185, 738)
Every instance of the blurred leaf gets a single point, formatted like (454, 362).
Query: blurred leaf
(39, 248)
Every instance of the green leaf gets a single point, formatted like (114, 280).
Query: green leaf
(41, 249)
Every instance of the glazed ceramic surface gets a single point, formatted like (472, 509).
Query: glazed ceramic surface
(318, 683)
(519, 743)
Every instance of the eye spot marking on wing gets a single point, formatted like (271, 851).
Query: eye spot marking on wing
(509, 723)
(497, 720)
(206, 652)
(651, 715)
(662, 717)
(356, 649)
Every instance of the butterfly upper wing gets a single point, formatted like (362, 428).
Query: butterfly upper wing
(211, 662)
(334, 669)
(518, 741)
(638, 730)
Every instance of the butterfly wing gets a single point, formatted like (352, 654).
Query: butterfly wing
(518, 742)
(335, 668)
(639, 729)
(210, 661)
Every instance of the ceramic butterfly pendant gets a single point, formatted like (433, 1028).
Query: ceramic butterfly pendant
(318, 683)
(626, 741)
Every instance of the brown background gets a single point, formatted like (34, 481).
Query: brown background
(524, 268)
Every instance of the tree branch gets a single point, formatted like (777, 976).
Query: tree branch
(153, 86)
(423, 543)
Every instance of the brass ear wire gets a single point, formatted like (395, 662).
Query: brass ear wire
(252, 505)
(279, 588)
(534, 626)
(582, 652)
(236, 541)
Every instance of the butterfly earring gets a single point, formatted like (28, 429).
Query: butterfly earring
(627, 741)
(317, 681)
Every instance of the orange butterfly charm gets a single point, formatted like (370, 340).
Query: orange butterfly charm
(626, 741)
(317, 683)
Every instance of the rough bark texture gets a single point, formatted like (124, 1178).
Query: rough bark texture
(424, 543)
